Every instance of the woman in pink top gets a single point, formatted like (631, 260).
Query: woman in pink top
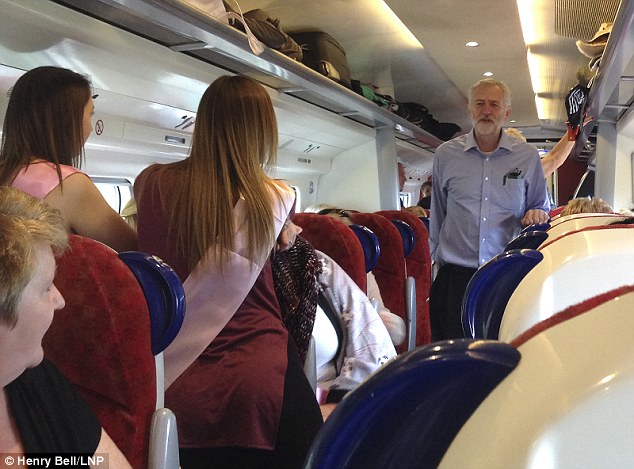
(47, 122)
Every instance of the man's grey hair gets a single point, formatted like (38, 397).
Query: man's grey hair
(491, 82)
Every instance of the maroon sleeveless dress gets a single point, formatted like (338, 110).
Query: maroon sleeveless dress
(232, 395)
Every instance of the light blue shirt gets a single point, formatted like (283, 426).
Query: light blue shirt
(479, 200)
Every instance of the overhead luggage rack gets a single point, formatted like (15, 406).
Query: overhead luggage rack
(612, 93)
(183, 28)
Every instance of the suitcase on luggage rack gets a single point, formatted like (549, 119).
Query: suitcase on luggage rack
(325, 55)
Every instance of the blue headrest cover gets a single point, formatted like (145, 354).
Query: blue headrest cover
(489, 290)
(164, 294)
(536, 227)
(409, 412)
(370, 245)
(425, 220)
(407, 234)
(527, 240)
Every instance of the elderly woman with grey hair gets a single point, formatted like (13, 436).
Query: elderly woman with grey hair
(40, 411)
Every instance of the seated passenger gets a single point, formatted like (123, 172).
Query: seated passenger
(416, 210)
(46, 125)
(395, 324)
(233, 375)
(586, 205)
(129, 213)
(351, 340)
(425, 196)
(627, 220)
(40, 411)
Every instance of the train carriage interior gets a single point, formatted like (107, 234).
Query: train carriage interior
(416, 65)
(558, 328)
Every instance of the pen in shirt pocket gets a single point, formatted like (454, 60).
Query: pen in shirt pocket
(515, 174)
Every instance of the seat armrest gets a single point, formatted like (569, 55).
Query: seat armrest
(310, 364)
(163, 441)
(410, 309)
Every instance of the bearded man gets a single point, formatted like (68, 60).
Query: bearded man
(487, 186)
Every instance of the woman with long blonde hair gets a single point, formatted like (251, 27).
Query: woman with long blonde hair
(233, 375)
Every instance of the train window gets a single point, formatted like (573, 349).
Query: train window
(298, 198)
(116, 191)
(406, 199)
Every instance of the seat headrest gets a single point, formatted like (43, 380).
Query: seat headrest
(527, 240)
(415, 394)
(407, 234)
(536, 227)
(164, 293)
(490, 289)
(556, 211)
(369, 243)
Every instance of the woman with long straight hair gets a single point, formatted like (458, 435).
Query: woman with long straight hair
(47, 122)
(232, 374)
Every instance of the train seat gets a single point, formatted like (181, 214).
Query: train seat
(107, 322)
(390, 268)
(579, 220)
(556, 212)
(558, 396)
(533, 236)
(425, 220)
(536, 227)
(576, 266)
(490, 288)
(567, 404)
(339, 242)
(164, 293)
(407, 237)
(418, 265)
(527, 240)
(408, 412)
(573, 216)
(369, 243)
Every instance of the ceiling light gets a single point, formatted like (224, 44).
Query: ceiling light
(541, 104)
(395, 23)
(533, 33)
(488, 74)
(512, 121)
(472, 44)
(530, 27)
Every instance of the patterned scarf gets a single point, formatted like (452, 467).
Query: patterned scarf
(295, 273)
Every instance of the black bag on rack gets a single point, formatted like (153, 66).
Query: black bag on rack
(417, 114)
(445, 130)
(325, 55)
(266, 28)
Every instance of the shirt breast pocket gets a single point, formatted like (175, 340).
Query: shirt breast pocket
(513, 195)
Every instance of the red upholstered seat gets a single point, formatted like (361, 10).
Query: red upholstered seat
(337, 240)
(101, 342)
(418, 265)
(556, 211)
(390, 270)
